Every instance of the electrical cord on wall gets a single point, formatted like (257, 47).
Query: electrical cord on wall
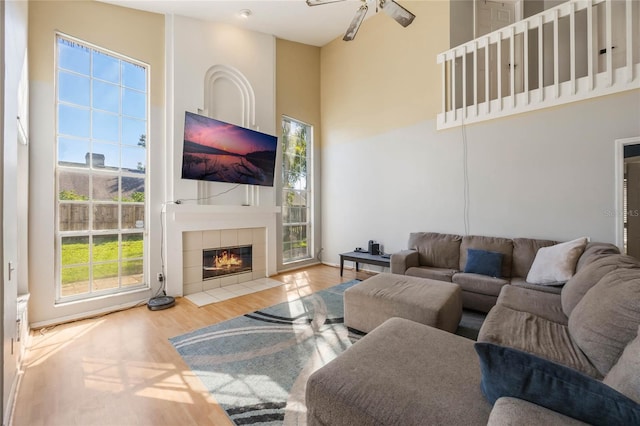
(182, 200)
(162, 288)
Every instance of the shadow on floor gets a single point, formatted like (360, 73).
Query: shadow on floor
(470, 324)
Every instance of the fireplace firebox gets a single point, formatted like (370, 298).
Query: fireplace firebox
(226, 261)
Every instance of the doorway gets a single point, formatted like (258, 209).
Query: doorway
(627, 210)
(491, 16)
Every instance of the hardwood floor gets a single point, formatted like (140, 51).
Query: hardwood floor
(120, 369)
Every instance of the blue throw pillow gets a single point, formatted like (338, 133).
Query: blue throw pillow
(513, 373)
(484, 262)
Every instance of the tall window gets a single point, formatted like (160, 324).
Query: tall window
(101, 168)
(297, 198)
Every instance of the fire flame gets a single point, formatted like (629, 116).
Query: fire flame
(224, 260)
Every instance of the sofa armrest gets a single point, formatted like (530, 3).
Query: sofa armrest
(404, 260)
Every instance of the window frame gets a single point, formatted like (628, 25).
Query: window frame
(310, 197)
(91, 172)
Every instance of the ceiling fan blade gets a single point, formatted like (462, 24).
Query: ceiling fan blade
(321, 2)
(401, 15)
(355, 23)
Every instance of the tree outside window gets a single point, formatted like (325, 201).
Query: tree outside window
(296, 190)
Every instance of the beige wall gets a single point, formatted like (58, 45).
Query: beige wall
(298, 83)
(298, 97)
(387, 77)
(137, 34)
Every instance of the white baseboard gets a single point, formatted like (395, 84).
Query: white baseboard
(88, 314)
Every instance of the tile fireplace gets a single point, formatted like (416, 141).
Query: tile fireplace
(223, 257)
(190, 229)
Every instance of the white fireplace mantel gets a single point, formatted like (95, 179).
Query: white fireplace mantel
(181, 218)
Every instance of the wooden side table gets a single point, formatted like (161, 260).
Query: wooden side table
(363, 257)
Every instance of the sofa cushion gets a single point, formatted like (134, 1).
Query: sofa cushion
(575, 289)
(530, 333)
(524, 251)
(496, 244)
(484, 262)
(594, 251)
(522, 283)
(518, 412)
(607, 318)
(556, 264)
(440, 274)
(438, 250)
(477, 283)
(624, 376)
(513, 373)
(540, 303)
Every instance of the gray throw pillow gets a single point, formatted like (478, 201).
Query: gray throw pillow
(624, 376)
(607, 318)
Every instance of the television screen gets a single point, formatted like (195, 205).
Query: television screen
(221, 152)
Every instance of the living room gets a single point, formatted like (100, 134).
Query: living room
(382, 169)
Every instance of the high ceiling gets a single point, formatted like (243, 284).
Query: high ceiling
(287, 19)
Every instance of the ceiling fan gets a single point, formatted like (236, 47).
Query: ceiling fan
(401, 15)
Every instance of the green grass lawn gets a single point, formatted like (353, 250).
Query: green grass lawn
(75, 251)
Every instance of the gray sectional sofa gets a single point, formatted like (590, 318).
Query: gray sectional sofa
(541, 358)
(444, 257)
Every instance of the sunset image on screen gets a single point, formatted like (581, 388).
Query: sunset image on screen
(223, 152)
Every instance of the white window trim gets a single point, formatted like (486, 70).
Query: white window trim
(146, 284)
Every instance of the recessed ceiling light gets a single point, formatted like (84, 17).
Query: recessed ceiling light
(245, 13)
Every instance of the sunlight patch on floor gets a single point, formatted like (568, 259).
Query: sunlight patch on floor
(44, 346)
(146, 379)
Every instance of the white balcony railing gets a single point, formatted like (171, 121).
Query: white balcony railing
(558, 56)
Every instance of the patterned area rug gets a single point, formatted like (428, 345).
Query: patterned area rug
(256, 366)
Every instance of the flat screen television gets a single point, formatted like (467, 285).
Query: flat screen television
(216, 151)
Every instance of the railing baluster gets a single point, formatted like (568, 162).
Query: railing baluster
(609, 47)
(445, 86)
(499, 67)
(464, 82)
(541, 58)
(630, 45)
(475, 76)
(590, 56)
(453, 87)
(487, 93)
(525, 60)
(556, 54)
(512, 66)
(572, 45)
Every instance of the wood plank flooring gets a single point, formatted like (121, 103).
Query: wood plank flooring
(120, 369)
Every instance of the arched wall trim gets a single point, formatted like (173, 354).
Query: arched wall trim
(244, 87)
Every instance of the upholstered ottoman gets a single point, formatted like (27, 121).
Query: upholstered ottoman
(383, 296)
(402, 373)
